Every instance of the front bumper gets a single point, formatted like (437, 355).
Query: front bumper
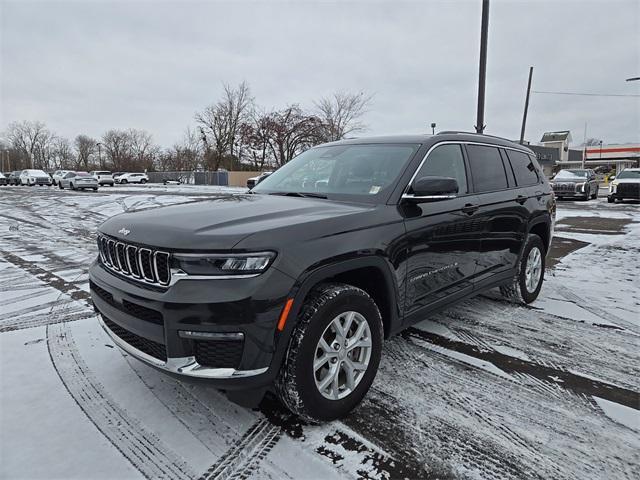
(168, 327)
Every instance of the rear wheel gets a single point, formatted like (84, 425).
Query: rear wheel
(72, 186)
(333, 354)
(525, 286)
(123, 181)
(143, 181)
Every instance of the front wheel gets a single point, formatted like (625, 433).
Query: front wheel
(143, 181)
(525, 286)
(333, 354)
(71, 186)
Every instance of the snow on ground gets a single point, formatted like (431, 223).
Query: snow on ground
(482, 390)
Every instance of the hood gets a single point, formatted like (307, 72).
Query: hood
(572, 179)
(618, 181)
(221, 223)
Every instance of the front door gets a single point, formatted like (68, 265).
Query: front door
(442, 237)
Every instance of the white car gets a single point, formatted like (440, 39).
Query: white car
(35, 177)
(626, 185)
(58, 174)
(103, 177)
(132, 178)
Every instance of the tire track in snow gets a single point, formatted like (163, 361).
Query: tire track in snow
(141, 447)
(244, 457)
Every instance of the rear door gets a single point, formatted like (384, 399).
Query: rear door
(502, 213)
(442, 237)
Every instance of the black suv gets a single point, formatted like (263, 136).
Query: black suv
(294, 285)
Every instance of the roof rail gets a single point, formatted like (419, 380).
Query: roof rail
(459, 132)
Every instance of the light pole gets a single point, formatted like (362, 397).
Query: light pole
(99, 145)
(433, 128)
(600, 149)
(526, 107)
(633, 79)
(484, 34)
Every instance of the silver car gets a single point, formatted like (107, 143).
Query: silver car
(78, 181)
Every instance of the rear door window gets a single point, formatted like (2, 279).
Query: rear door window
(523, 168)
(487, 169)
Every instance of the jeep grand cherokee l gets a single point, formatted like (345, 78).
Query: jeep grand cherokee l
(294, 286)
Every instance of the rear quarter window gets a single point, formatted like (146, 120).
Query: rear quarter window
(524, 168)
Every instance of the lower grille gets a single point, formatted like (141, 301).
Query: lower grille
(156, 350)
(219, 353)
(133, 309)
(631, 190)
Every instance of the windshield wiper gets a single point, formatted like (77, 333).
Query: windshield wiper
(300, 194)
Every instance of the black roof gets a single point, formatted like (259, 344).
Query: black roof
(432, 139)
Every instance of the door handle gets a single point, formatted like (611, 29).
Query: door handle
(521, 199)
(470, 208)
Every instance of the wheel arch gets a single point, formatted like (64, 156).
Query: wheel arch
(372, 274)
(541, 226)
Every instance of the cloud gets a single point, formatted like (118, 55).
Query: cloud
(85, 67)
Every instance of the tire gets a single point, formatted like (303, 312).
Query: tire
(143, 181)
(71, 186)
(610, 200)
(296, 385)
(518, 291)
(122, 182)
(95, 189)
(60, 186)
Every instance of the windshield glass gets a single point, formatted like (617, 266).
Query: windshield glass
(629, 174)
(82, 174)
(572, 173)
(350, 171)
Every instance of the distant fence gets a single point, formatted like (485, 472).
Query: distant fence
(223, 178)
(193, 178)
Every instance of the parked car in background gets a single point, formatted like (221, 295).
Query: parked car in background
(295, 286)
(132, 178)
(3, 179)
(35, 177)
(57, 176)
(625, 186)
(78, 181)
(575, 183)
(103, 177)
(253, 181)
(172, 181)
(13, 178)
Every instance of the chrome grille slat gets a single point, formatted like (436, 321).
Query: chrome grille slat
(140, 263)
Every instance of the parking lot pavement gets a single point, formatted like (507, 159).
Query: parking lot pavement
(483, 390)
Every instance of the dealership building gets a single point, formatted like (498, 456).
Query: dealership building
(553, 154)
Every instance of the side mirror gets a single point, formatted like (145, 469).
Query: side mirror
(612, 177)
(432, 189)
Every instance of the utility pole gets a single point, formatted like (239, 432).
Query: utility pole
(99, 145)
(526, 107)
(484, 34)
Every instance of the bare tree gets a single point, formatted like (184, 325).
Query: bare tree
(291, 131)
(62, 153)
(117, 148)
(142, 148)
(219, 123)
(341, 113)
(591, 142)
(32, 138)
(85, 148)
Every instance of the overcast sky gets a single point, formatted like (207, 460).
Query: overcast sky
(86, 67)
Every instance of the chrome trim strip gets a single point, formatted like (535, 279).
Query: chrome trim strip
(178, 274)
(230, 336)
(408, 196)
(122, 268)
(457, 142)
(180, 365)
(150, 279)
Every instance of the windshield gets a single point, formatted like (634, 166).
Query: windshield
(629, 174)
(349, 171)
(572, 173)
(82, 174)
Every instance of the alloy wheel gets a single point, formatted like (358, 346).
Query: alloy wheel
(342, 355)
(533, 270)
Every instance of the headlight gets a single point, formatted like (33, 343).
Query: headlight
(224, 264)
(613, 187)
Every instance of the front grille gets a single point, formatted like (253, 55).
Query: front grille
(43, 180)
(631, 190)
(219, 353)
(144, 264)
(156, 350)
(133, 309)
(564, 187)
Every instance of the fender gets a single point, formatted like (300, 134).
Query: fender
(313, 277)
